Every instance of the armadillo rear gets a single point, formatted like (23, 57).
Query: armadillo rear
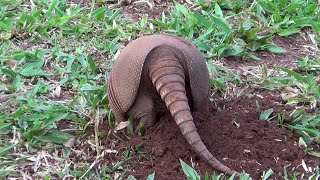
(172, 62)
(126, 72)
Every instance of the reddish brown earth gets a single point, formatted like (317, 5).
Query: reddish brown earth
(253, 146)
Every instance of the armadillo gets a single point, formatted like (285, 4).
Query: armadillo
(157, 74)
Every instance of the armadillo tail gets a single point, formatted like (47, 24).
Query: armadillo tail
(168, 77)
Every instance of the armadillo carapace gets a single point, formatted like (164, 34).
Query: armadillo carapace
(157, 73)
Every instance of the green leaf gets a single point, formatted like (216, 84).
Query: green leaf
(130, 126)
(144, 21)
(59, 21)
(51, 8)
(182, 9)
(313, 132)
(57, 107)
(32, 69)
(115, 14)
(7, 173)
(273, 48)
(5, 27)
(296, 75)
(206, 176)
(70, 61)
(8, 72)
(55, 136)
(33, 117)
(201, 20)
(40, 87)
(267, 174)
(289, 31)
(267, 7)
(29, 72)
(151, 176)
(11, 2)
(82, 61)
(91, 63)
(223, 26)
(218, 10)
(314, 153)
(5, 150)
(315, 25)
(3, 125)
(99, 13)
(54, 118)
(266, 114)
(293, 7)
(90, 88)
(91, 8)
(189, 171)
(130, 177)
(232, 177)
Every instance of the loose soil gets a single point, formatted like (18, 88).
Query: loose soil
(233, 134)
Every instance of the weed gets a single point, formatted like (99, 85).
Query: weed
(265, 115)
(193, 175)
(309, 65)
(307, 126)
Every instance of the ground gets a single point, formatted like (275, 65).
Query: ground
(230, 124)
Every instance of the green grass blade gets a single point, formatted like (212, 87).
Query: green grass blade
(296, 75)
(5, 150)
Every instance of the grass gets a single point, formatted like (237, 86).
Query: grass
(54, 70)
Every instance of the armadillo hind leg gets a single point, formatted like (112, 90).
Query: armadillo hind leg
(114, 106)
(118, 117)
(168, 76)
(143, 110)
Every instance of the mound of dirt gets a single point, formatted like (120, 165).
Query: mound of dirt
(234, 135)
